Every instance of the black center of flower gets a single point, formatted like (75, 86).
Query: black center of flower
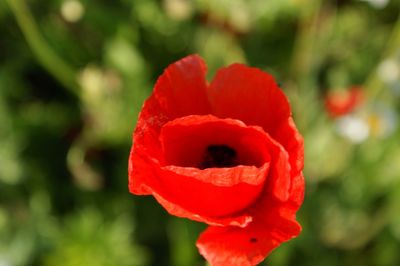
(219, 156)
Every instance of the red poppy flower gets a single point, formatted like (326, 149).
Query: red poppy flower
(226, 153)
(339, 103)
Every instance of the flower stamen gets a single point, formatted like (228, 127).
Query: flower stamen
(219, 156)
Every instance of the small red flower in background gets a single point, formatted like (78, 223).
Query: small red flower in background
(339, 103)
(226, 153)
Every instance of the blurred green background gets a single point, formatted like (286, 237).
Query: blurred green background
(74, 74)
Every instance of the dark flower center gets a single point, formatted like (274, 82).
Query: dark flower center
(218, 156)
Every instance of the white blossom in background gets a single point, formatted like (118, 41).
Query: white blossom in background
(92, 82)
(4, 262)
(178, 9)
(389, 70)
(353, 127)
(378, 120)
(382, 120)
(377, 3)
(72, 10)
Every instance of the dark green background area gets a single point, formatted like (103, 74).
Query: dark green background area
(71, 89)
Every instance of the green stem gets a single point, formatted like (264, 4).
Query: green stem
(45, 55)
(305, 41)
(373, 83)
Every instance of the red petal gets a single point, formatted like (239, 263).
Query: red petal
(253, 97)
(213, 192)
(184, 140)
(226, 246)
(273, 222)
(288, 136)
(147, 177)
(279, 177)
(181, 89)
(339, 103)
(250, 95)
(195, 190)
(296, 193)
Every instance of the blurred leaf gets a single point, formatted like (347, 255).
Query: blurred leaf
(90, 239)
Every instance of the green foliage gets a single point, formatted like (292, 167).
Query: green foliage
(87, 239)
(73, 77)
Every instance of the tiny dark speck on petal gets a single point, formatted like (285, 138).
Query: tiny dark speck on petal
(253, 240)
